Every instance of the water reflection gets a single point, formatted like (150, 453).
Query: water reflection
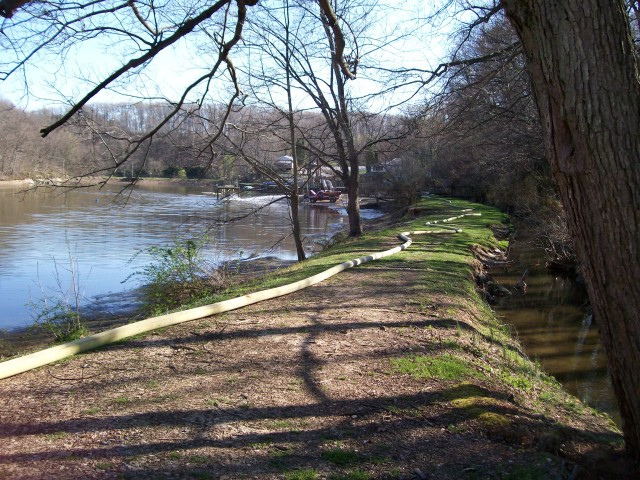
(555, 326)
(103, 229)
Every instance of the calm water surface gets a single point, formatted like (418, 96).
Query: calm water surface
(103, 231)
(555, 326)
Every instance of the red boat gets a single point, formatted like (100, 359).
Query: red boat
(324, 195)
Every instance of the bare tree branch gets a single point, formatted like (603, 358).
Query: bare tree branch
(188, 26)
(332, 21)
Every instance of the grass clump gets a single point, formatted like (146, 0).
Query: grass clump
(59, 319)
(59, 312)
(280, 424)
(55, 435)
(340, 457)
(122, 400)
(443, 367)
(517, 381)
(302, 474)
(493, 420)
(477, 403)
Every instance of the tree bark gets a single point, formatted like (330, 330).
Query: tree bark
(353, 204)
(294, 199)
(342, 131)
(295, 224)
(580, 56)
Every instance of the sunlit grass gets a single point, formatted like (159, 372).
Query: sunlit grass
(341, 457)
(302, 474)
(443, 367)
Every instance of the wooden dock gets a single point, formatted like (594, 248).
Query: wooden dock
(225, 190)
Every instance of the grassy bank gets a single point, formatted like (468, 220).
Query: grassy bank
(394, 369)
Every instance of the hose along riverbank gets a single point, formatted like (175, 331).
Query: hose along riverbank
(50, 355)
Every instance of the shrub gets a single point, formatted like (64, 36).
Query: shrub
(179, 274)
(59, 313)
(59, 319)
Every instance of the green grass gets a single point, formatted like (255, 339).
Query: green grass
(55, 435)
(443, 367)
(122, 400)
(549, 397)
(379, 459)
(341, 458)
(280, 459)
(280, 424)
(302, 474)
(408, 411)
(218, 401)
(168, 397)
(517, 381)
(198, 459)
(264, 442)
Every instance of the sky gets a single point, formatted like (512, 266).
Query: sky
(54, 81)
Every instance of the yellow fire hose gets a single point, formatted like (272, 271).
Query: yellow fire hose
(59, 352)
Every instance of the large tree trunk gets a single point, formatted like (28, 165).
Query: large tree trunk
(295, 224)
(353, 205)
(294, 199)
(581, 60)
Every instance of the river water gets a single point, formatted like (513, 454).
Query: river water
(555, 326)
(104, 234)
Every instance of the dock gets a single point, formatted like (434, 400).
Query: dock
(225, 190)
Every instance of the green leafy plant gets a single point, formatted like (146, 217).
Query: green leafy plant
(60, 319)
(179, 274)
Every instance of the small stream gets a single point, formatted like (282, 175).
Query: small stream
(555, 326)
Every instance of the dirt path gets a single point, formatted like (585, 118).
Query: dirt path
(298, 387)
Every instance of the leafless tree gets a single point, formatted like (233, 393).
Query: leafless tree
(489, 136)
(140, 32)
(583, 66)
(24, 155)
(320, 64)
(269, 81)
